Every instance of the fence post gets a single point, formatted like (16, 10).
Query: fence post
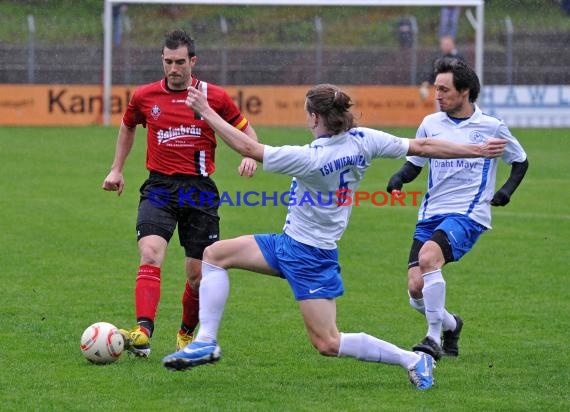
(414, 51)
(510, 31)
(127, 66)
(31, 48)
(224, 64)
(318, 49)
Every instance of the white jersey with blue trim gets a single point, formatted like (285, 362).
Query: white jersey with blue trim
(319, 171)
(464, 186)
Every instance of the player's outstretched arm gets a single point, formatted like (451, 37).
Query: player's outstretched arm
(444, 149)
(236, 139)
(248, 166)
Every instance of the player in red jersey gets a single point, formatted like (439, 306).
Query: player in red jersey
(180, 159)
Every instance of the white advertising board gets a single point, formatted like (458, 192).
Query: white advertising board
(528, 106)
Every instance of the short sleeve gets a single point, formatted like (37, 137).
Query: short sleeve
(421, 133)
(133, 114)
(514, 152)
(289, 160)
(381, 144)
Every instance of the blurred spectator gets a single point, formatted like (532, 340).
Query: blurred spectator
(406, 32)
(119, 11)
(565, 4)
(447, 48)
(448, 21)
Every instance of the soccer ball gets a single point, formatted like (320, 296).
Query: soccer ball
(102, 343)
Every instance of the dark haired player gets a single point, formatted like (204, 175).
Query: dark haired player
(456, 208)
(180, 159)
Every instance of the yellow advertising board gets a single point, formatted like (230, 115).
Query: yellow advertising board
(75, 105)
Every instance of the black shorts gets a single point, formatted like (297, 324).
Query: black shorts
(189, 201)
(438, 237)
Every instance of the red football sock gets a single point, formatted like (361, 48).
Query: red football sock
(190, 309)
(147, 292)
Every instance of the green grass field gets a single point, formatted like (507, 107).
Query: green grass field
(69, 259)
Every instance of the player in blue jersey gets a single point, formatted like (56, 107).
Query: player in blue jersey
(456, 208)
(305, 253)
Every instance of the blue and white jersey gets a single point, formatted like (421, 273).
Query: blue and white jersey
(464, 186)
(319, 171)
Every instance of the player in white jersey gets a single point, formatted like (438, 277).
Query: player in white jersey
(305, 253)
(456, 208)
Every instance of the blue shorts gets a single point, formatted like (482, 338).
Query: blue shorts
(462, 232)
(312, 273)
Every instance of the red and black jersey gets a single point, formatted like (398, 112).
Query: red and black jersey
(179, 141)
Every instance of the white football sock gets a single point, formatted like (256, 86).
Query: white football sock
(214, 292)
(434, 301)
(448, 323)
(368, 348)
(417, 304)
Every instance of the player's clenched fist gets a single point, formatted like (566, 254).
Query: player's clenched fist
(114, 182)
